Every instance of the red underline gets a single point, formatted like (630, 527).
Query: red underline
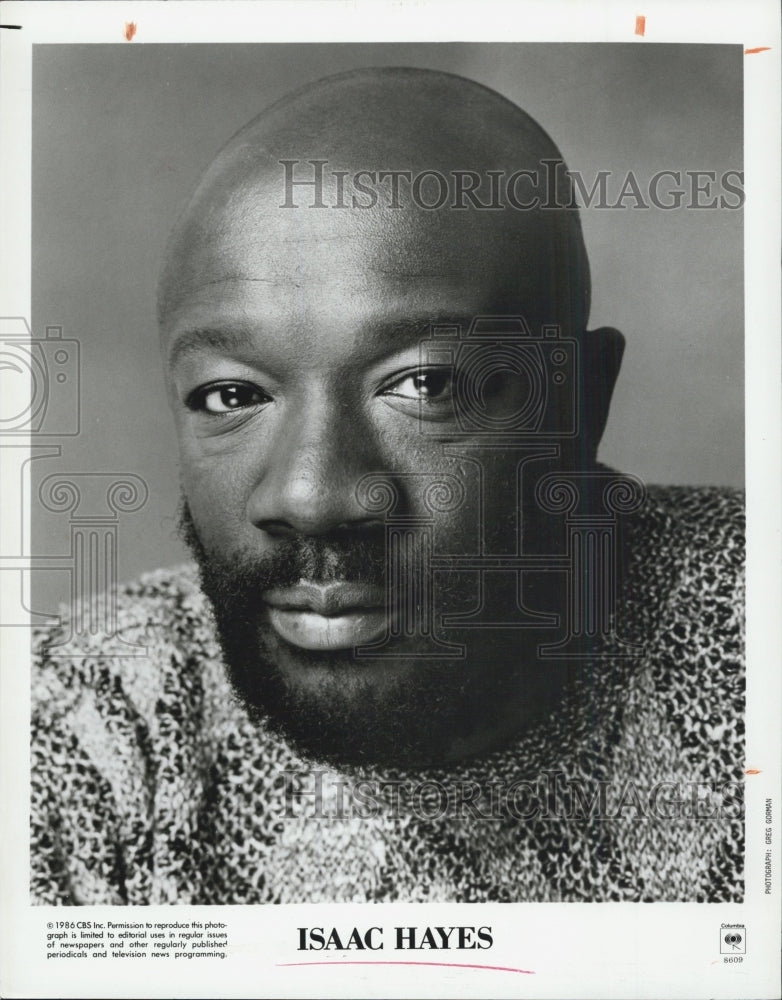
(442, 965)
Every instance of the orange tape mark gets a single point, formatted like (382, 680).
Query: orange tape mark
(130, 30)
(760, 48)
(640, 25)
(752, 770)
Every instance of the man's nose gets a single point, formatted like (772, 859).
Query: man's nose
(307, 485)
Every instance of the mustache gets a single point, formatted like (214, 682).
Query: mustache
(358, 556)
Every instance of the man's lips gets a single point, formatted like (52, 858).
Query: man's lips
(327, 616)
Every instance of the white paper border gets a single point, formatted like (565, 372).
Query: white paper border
(576, 950)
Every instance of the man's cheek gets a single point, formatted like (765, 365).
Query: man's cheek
(438, 491)
(485, 514)
(458, 532)
(217, 493)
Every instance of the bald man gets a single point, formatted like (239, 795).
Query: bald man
(430, 648)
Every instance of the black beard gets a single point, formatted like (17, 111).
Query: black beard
(412, 716)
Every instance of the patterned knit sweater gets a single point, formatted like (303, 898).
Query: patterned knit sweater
(151, 784)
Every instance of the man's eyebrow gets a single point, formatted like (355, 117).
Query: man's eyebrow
(420, 327)
(411, 328)
(195, 341)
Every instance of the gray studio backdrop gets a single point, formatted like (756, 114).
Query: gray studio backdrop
(121, 134)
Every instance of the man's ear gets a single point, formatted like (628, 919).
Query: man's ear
(600, 358)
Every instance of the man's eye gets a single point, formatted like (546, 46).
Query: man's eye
(430, 385)
(227, 397)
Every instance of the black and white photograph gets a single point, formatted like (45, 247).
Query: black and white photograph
(384, 485)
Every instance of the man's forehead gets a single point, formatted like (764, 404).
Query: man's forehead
(254, 216)
(384, 251)
(380, 333)
(365, 313)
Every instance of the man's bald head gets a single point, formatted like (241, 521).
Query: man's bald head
(381, 121)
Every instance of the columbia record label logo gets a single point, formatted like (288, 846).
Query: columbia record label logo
(733, 939)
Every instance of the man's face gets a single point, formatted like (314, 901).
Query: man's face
(295, 372)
